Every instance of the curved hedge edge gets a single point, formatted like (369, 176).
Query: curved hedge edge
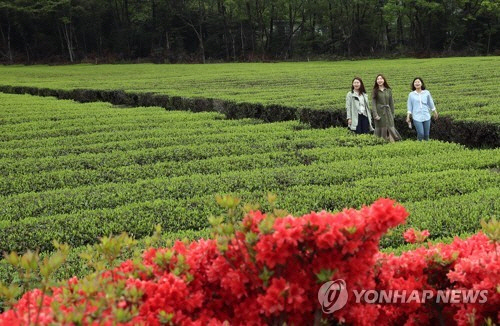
(472, 134)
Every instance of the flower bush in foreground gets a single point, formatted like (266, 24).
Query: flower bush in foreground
(463, 265)
(414, 236)
(267, 270)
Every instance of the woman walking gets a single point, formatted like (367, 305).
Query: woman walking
(359, 118)
(420, 106)
(383, 110)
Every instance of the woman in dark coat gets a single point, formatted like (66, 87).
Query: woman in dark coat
(383, 110)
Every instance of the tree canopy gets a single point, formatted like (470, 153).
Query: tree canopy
(243, 30)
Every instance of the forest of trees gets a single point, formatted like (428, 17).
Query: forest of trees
(58, 31)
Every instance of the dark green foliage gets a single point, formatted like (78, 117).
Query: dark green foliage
(323, 118)
(95, 31)
(273, 113)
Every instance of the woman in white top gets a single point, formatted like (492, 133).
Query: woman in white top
(420, 106)
(359, 118)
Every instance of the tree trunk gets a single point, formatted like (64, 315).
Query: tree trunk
(428, 37)
(127, 14)
(69, 41)
(249, 13)
(234, 45)
(155, 34)
(271, 27)
(100, 45)
(262, 28)
(26, 47)
(291, 22)
(202, 46)
(9, 49)
(222, 11)
(84, 44)
(198, 30)
(242, 41)
(153, 14)
(332, 26)
(400, 30)
(313, 28)
(489, 40)
(61, 38)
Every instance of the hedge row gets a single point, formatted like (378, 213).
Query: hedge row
(171, 153)
(204, 135)
(117, 213)
(37, 182)
(66, 178)
(115, 194)
(151, 143)
(450, 216)
(459, 212)
(472, 134)
(90, 128)
(94, 138)
(86, 227)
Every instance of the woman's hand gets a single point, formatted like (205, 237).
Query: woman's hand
(436, 115)
(408, 120)
(349, 121)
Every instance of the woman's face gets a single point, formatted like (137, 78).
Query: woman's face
(380, 80)
(417, 83)
(356, 84)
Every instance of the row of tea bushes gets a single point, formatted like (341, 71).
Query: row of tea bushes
(68, 200)
(63, 178)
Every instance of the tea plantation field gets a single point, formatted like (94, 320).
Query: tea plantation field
(76, 172)
(463, 88)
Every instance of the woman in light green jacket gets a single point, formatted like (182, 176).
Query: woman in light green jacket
(359, 117)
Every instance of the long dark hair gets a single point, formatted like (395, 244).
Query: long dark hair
(375, 86)
(413, 82)
(361, 88)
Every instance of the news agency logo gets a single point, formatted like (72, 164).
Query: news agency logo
(333, 296)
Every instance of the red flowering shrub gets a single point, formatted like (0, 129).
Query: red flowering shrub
(413, 236)
(269, 272)
(444, 270)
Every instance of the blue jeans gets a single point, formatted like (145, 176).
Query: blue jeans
(423, 128)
